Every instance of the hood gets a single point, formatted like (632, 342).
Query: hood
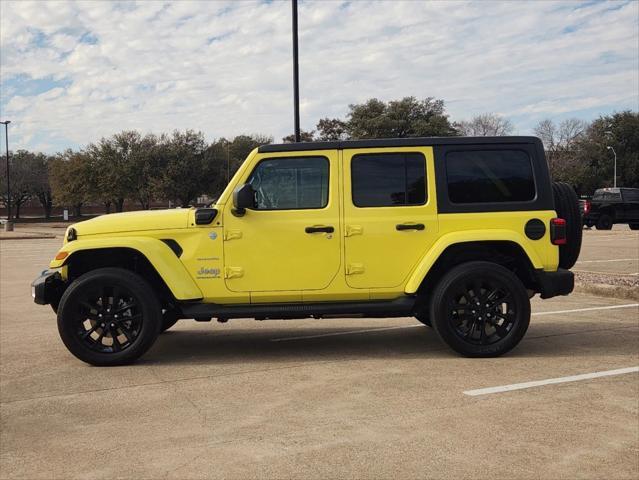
(134, 222)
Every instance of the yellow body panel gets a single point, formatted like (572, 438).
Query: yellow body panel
(371, 236)
(269, 250)
(159, 254)
(266, 255)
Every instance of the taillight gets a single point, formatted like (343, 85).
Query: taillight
(586, 206)
(558, 231)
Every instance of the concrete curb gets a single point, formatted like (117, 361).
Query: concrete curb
(604, 290)
(26, 237)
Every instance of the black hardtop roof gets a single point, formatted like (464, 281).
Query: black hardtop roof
(394, 142)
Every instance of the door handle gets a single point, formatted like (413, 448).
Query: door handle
(410, 226)
(319, 229)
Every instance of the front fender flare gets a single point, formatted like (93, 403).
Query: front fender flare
(159, 255)
(424, 266)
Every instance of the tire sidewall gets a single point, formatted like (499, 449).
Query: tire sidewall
(605, 222)
(136, 286)
(439, 310)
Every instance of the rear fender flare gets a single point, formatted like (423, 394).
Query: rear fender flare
(159, 255)
(425, 264)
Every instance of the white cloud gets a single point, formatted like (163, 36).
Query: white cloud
(225, 67)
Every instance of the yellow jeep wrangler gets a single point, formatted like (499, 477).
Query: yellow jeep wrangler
(457, 232)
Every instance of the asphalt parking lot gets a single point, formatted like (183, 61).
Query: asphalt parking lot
(373, 398)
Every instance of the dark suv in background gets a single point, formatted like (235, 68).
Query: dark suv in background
(612, 205)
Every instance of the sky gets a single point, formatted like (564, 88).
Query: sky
(73, 72)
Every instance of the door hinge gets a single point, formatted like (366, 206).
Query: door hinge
(233, 272)
(231, 234)
(351, 230)
(353, 268)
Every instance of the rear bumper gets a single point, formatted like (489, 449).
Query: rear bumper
(48, 288)
(551, 284)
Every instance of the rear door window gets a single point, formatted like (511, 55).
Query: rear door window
(489, 176)
(388, 179)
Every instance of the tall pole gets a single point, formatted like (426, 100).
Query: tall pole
(228, 162)
(6, 140)
(296, 74)
(614, 180)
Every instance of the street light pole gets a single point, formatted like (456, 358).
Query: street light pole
(296, 74)
(6, 139)
(614, 181)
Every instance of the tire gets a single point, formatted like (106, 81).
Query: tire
(604, 222)
(567, 207)
(634, 226)
(109, 316)
(424, 318)
(489, 328)
(169, 319)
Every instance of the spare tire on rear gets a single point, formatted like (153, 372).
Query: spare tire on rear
(567, 207)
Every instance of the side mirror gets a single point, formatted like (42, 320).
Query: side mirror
(243, 198)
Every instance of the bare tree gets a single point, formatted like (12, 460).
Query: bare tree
(561, 142)
(485, 125)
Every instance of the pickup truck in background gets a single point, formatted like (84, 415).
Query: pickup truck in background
(612, 205)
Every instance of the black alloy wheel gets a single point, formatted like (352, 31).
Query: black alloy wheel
(108, 319)
(480, 309)
(109, 316)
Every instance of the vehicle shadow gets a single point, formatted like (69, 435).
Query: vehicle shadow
(188, 346)
(256, 345)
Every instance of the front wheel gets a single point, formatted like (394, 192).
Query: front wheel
(634, 226)
(109, 316)
(480, 309)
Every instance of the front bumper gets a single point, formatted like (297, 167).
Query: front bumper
(551, 284)
(48, 288)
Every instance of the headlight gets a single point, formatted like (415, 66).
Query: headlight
(71, 234)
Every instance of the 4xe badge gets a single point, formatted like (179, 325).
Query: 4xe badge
(212, 235)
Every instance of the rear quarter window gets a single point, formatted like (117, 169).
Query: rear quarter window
(489, 176)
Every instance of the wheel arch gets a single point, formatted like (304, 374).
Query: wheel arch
(503, 250)
(151, 258)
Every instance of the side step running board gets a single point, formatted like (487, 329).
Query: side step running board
(400, 307)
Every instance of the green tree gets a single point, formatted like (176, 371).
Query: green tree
(403, 118)
(41, 186)
(29, 178)
(621, 132)
(72, 179)
(332, 129)
(304, 137)
(184, 169)
(123, 165)
(225, 157)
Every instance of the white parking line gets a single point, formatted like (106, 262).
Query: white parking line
(588, 309)
(368, 330)
(348, 332)
(613, 260)
(549, 381)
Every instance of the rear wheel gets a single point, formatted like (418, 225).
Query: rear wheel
(634, 226)
(480, 309)
(109, 316)
(567, 207)
(605, 222)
